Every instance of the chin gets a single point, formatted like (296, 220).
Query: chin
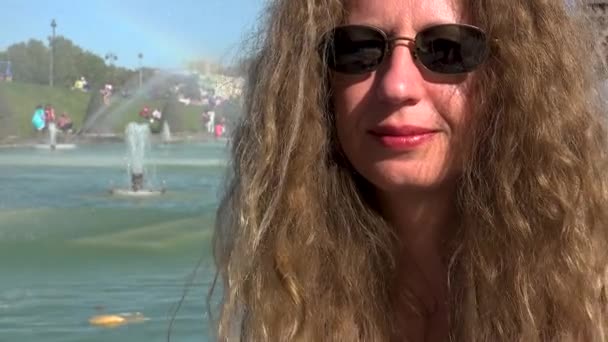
(390, 176)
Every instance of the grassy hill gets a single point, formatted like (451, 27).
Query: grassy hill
(18, 100)
(114, 117)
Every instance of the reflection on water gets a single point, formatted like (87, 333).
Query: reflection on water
(70, 251)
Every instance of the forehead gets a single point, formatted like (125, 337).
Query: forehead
(403, 13)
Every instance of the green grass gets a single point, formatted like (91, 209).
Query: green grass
(18, 101)
(121, 111)
(183, 118)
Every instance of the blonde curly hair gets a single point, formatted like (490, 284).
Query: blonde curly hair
(301, 253)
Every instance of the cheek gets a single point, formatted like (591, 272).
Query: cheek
(451, 103)
(454, 113)
(349, 105)
(349, 92)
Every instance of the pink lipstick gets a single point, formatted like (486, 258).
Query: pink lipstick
(402, 137)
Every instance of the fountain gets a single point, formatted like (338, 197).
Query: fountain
(137, 138)
(52, 140)
(52, 135)
(166, 132)
(62, 235)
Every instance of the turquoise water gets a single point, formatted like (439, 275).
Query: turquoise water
(69, 250)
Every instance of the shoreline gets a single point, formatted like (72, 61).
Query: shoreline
(96, 138)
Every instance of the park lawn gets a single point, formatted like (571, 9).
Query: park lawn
(184, 118)
(125, 110)
(181, 118)
(18, 101)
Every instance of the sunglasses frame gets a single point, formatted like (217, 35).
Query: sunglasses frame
(412, 45)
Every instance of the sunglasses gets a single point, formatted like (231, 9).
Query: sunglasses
(444, 49)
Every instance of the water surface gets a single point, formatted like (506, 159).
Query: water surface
(70, 250)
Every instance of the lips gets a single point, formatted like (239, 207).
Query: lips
(397, 131)
(404, 137)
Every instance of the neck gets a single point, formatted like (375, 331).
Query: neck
(423, 221)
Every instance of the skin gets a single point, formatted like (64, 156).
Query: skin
(415, 187)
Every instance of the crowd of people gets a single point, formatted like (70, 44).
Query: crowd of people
(211, 124)
(208, 101)
(45, 115)
(151, 116)
(106, 91)
(214, 126)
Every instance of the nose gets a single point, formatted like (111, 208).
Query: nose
(399, 79)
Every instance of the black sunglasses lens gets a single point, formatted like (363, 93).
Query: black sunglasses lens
(354, 49)
(451, 49)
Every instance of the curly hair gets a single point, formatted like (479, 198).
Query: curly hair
(303, 255)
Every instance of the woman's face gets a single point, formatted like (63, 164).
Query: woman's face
(401, 125)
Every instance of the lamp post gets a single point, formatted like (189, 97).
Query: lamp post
(52, 65)
(111, 58)
(140, 56)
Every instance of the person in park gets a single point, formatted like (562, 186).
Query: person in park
(417, 171)
(144, 113)
(49, 115)
(81, 84)
(219, 128)
(38, 119)
(106, 93)
(64, 122)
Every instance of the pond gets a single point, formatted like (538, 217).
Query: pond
(70, 250)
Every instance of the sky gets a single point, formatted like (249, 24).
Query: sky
(167, 33)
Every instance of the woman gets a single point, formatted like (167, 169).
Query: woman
(417, 171)
(38, 119)
(64, 122)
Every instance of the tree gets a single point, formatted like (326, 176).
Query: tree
(29, 61)
(72, 62)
